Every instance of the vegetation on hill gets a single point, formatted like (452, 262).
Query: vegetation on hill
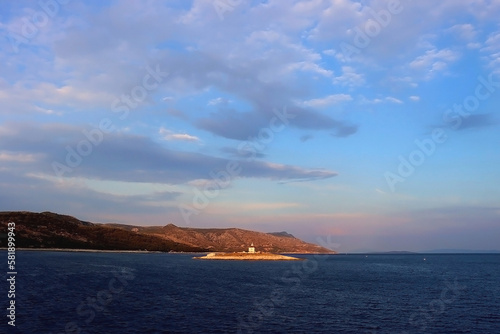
(51, 230)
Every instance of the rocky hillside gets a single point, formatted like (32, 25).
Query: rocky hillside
(230, 239)
(50, 230)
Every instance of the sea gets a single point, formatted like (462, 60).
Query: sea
(81, 292)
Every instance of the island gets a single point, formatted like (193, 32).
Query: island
(251, 255)
(52, 231)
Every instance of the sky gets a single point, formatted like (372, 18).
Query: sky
(371, 124)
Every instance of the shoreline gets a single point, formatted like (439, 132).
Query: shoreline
(85, 250)
(77, 250)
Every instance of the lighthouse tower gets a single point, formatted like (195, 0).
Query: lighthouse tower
(251, 249)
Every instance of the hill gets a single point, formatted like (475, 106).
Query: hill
(51, 230)
(229, 239)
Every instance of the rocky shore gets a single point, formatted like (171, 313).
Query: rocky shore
(247, 257)
(80, 250)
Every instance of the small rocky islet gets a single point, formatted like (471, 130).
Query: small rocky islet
(251, 255)
(247, 256)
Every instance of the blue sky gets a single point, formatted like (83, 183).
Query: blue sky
(373, 123)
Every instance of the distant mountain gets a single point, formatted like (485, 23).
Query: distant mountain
(51, 230)
(460, 251)
(282, 234)
(393, 253)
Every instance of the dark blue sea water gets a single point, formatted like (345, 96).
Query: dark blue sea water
(65, 292)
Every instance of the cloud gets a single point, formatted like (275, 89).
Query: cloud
(308, 66)
(232, 124)
(311, 120)
(75, 198)
(336, 19)
(340, 22)
(46, 98)
(415, 98)
(169, 135)
(382, 100)
(153, 163)
(241, 153)
(253, 207)
(219, 101)
(345, 131)
(245, 82)
(491, 50)
(17, 157)
(465, 32)
(393, 100)
(477, 121)
(327, 101)
(201, 55)
(264, 56)
(434, 61)
(349, 78)
(305, 138)
(177, 113)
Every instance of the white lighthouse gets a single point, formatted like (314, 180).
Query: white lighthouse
(251, 249)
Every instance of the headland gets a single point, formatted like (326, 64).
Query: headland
(48, 230)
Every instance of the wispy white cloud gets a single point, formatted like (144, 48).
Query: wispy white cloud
(434, 61)
(393, 100)
(491, 51)
(328, 100)
(349, 77)
(219, 101)
(389, 99)
(415, 98)
(170, 135)
(6, 156)
(465, 32)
